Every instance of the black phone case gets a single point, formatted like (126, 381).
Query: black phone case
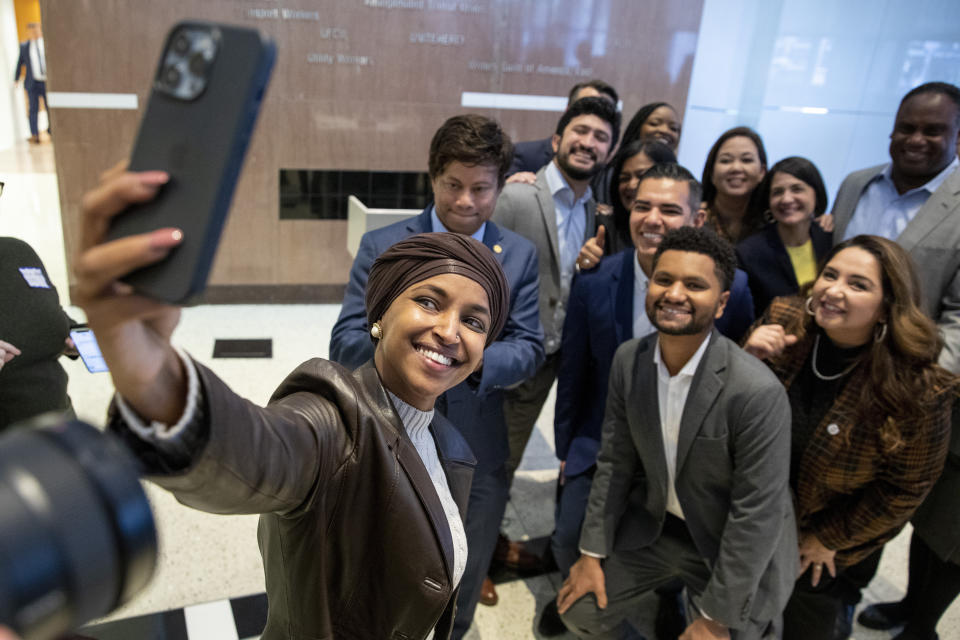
(201, 143)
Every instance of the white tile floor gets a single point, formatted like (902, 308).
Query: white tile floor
(206, 557)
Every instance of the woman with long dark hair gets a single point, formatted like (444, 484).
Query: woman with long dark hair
(783, 256)
(735, 165)
(871, 420)
(628, 166)
(654, 121)
(361, 487)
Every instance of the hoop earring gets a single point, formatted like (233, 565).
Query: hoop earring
(808, 306)
(882, 326)
(376, 331)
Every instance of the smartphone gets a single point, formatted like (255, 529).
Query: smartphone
(89, 350)
(206, 94)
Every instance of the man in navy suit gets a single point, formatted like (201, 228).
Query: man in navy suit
(605, 309)
(33, 58)
(530, 156)
(469, 156)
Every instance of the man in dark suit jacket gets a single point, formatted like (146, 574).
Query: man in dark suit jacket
(915, 200)
(468, 159)
(691, 482)
(532, 155)
(33, 58)
(606, 308)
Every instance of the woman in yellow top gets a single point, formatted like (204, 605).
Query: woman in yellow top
(784, 255)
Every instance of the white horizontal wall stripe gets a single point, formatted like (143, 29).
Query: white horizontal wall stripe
(80, 100)
(479, 100)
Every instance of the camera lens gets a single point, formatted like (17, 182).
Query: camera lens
(181, 44)
(198, 64)
(77, 538)
(171, 77)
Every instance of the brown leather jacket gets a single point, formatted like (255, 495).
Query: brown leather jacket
(354, 539)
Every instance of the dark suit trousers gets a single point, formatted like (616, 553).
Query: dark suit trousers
(572, 500)
(36, 91)
(488, 500)
(934, 584)
(522, 406)
(631, 575)
(815, 613)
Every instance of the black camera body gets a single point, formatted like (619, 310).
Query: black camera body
(77, 537)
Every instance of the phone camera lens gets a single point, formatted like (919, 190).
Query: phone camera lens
(198, 64)
(171, 76)
(181, 44)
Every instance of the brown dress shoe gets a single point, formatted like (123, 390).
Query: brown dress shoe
(514, 555)
(34, 139)
(488, 593)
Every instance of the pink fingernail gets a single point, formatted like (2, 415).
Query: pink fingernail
(165, 238)
(154, 178)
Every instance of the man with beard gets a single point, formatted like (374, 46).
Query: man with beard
(556, 213)
(607, 308)
(531, 155)
(692, 476)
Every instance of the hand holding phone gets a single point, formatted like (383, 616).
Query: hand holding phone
(127, 232)
(206, 95)
(133, 330)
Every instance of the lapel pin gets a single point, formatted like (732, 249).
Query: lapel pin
(497, 248)
(833, 429)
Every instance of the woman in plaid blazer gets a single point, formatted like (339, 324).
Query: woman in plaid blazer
(871, 420)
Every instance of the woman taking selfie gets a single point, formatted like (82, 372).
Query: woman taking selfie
(735, 165)
(783, 257)
(871, 420)
(361, 486)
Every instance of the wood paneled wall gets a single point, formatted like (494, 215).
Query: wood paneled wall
(358, 84)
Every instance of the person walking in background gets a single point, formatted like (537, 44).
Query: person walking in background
(33, 60)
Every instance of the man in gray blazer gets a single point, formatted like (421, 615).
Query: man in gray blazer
(692, 476)
(915, 200)
(556, 213)
(920, 190)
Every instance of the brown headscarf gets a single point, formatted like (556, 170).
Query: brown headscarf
(426, 255)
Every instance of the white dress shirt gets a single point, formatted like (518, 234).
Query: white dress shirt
(38, 61)
(641, 283)
(571, 221)
(672, 392)
(437, 227)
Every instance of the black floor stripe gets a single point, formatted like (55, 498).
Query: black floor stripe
(250, 614)
(168, 625)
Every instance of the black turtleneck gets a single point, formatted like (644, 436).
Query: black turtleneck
(811, 397)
